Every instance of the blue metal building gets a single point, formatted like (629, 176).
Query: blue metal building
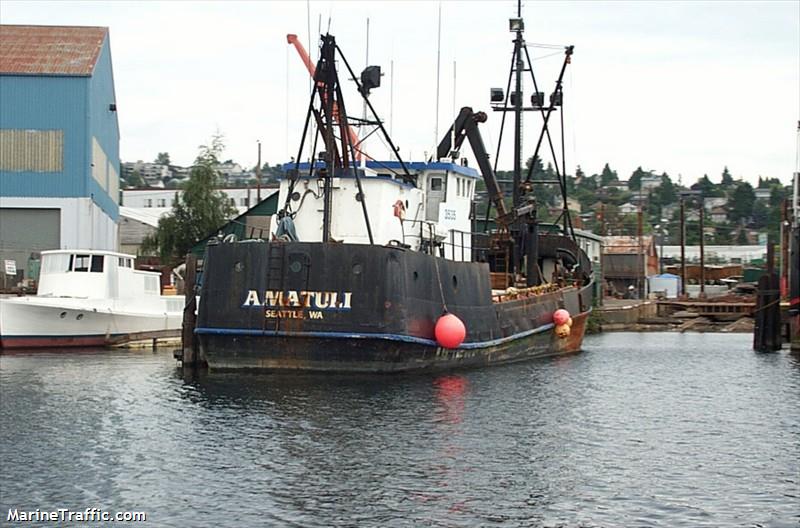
(59, 141)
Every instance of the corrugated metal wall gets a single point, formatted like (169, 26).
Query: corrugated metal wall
(104, 130)
(46, 104)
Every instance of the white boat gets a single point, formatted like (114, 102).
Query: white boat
(89, 298)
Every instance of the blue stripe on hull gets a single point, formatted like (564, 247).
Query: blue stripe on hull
(348, 335)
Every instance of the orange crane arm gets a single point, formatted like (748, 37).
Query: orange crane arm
(295, 41)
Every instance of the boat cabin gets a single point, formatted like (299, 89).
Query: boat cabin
(93, 274)
(431, 216)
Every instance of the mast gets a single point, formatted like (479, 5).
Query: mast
(517, 102)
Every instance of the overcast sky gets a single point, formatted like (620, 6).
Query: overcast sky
(681, 87)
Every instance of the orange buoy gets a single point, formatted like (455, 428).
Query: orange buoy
(560, 316)
(562, 331)
(450, 331)
(569, 322)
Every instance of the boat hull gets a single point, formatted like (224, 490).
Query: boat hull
(348, 308)
(272, 351)
(28, 322)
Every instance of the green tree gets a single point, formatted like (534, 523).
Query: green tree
(635, 181)
(199, 211)
(707, 188)
(163, 158)
(742, 201)
(666, 193)
(135, 180)
(741, 238)
(607, 176)
(727, 179)
(760, 214)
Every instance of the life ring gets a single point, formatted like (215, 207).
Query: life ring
(399, 209)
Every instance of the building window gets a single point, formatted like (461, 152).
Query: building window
(244, 202)
(31, 150)
(233, 202)
(162, 202)
(148, 202)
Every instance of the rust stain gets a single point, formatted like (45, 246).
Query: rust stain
(50, 50)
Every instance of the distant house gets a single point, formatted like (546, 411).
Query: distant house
(621, 186)
(627, 260)
(628, 208)
(648, 183)
(763, 193)
(691, 215)
(573, 205)
(241, 198)
(151, 173)
(668, 211)
(719, 214)
(714, 201)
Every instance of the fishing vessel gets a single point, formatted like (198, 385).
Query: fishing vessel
(89, 298)
(376, 266)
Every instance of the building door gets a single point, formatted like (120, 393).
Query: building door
(435, 196)
(24, 231)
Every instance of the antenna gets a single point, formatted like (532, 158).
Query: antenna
(310, 80)
(391, 95)
(453, 138)
(438, 64)
(364, 103)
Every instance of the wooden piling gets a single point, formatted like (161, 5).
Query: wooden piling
(767, 331)
(189, 356)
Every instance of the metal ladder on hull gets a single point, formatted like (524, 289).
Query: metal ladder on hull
(276, 275)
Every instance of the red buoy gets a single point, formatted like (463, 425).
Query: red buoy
(450, 331)
(560, 316)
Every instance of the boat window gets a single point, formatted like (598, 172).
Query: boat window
(57, 263)
(436, 184)
(97, 263)
(81, 263)
(151, 284)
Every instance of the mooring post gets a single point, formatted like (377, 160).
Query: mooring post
(767, 331)
(187, 337)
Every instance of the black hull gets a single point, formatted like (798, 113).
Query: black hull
(354, 308)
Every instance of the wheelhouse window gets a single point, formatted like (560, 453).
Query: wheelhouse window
(88, 263)
(97, 263)
(436, 184)
(81, 262)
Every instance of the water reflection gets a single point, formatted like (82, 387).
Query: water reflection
(653, 430)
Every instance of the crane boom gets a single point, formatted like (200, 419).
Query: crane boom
(466, 125)
(295, 41)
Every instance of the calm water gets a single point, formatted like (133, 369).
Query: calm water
(638, 430)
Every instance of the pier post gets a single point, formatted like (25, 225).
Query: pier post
(683, 250)
(702, 248)
(767, 331)
(189, 356)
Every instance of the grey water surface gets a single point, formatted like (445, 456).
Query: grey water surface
(638, 430)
